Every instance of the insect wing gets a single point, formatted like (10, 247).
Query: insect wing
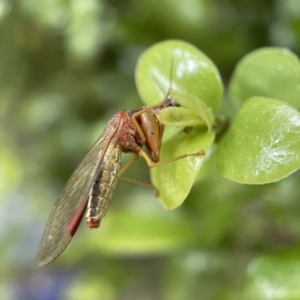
(70, 206)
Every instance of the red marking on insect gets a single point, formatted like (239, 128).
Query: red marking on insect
(76, 219)
(92, 222)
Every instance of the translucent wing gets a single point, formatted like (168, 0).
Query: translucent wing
(70, 206)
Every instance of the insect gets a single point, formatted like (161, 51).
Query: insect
(91, 186)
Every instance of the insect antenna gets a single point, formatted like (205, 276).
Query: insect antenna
(171, 73)
(170, 82)
(166, 94)
(158, 84)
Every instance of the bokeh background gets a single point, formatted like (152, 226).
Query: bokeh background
(66, 66)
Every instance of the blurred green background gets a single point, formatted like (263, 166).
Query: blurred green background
(66, 66)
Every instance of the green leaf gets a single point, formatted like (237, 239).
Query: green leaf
(197, 87)
(268, 72)
(174, 180)
(195, 105)
(262, 144)
(193, 73)
(179, 117)
(275, 276)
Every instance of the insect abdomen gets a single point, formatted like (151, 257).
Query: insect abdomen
(103, 188)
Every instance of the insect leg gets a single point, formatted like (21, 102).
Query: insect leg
(137, 182)
(129, 164)
(152, 164)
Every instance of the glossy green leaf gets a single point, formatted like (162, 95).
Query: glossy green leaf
(195, 105)
(274, 276)
(179, 117)
(268, 72)
(262, 144)
(181, 66)
(174, 180)
(196, 86)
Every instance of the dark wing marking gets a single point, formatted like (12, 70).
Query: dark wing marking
(70, 206)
